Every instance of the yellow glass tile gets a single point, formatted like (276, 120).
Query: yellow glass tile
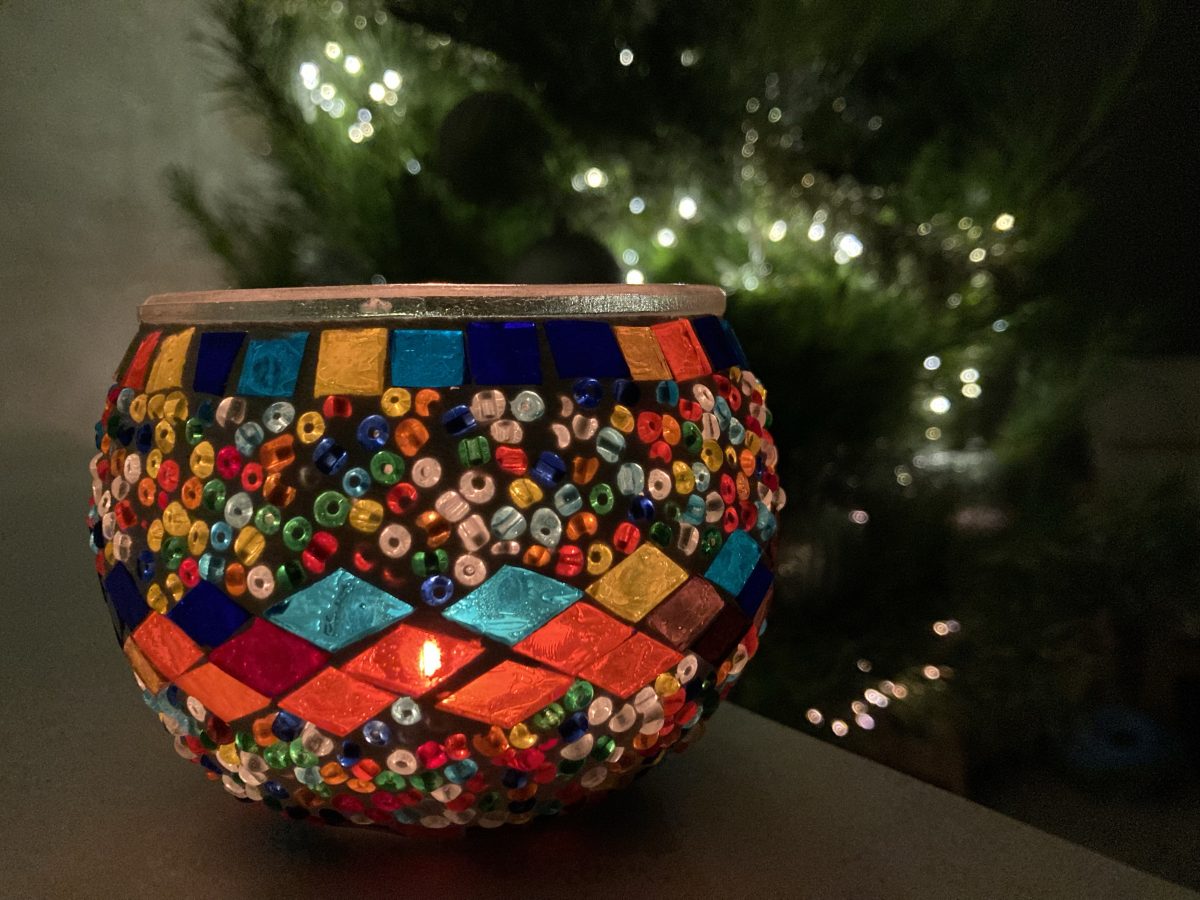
(638, 583)
(351, 361)
(642, 353)
(167, 371)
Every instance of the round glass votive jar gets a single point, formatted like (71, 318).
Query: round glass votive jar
(430, 556)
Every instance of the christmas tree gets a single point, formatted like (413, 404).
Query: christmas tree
(882, 195)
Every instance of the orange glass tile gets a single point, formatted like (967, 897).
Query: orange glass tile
(222, 695)
(507, 694)
(351, 361)
(336, 702)
(135, 375)
(145, 671)
(682, 349)
(167, 371)
(631, 666)
(642, 353)
(413, 660)
(573, 638)
(166, 645)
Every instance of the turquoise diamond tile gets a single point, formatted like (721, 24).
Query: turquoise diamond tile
(512, 604)
(338, 610)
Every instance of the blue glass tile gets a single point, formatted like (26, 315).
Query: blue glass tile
(504, 353)
(585, 349)
(754, 592)
(271, 366)
(126, 599)
(218, 350)
(337, 610)
(715, 341)
(734, 563)
(512, 604)
(207, 615)
(427, 358)
(735, 343)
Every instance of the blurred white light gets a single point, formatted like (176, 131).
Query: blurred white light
(816, 231)
(849, 244)
(376, 91)
(932, 363)
(687, 207)
(977, 255)
(665, 237)
(778, 231)
(635, 276)
(966, 376)
(413, 167)
(971, 391)
(839, 728)
(688, 58)
(625, 57)
(310, 75)
(629, 256)
(859, 516)
(939, 405)
(1004, 222)
(392, 79)
(333, 49)
(1000, 325)
(364, 115)
(353, 65)
(355, 133)
(637, 206)
(814, 717)
(933, 433)
(595, 178)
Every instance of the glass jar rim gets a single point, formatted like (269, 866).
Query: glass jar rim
(434, 300)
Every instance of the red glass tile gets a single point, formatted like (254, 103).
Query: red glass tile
(682, 349)
(166, 645)
(268, 658)
(574, 638)
(685, 613)
(507, 694)
(222, 695)
(413, 660)
(139, 366)
(336, 702)
(632, 665)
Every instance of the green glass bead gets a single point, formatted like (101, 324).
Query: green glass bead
(330, 509)
(603, 747)
(268, 519)
(322, 790)
(693, 440)
(278, 755)
(390, 781)
(244, 740)
(290, 575)
(113, 428)
(207, 741)
(212, 497)
(671, 511)
(489, 801)
(660, 533)
(301, 756)
(548, 719)
(578, 696)
(569, 767)
(474, 451)
(173, 551)
(430, 562)
(387, 467)
(297, 533)
(193, 430)
(425, 782)
(710, 541)
(601, 498)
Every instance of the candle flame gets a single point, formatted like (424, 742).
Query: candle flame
(431, 659)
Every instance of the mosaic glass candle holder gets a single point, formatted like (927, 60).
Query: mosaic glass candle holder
(434, 556)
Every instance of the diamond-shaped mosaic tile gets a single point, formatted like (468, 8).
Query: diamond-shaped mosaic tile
(337, 610)
(683, 615)
(631, 665)
(207, 615)
(638, 583)
(511, 604)
(268, 658)
(166, 645)
(507, 694)
(222, 695)
(413, 660)
(336, 702)
(574, 638)
(734, 562)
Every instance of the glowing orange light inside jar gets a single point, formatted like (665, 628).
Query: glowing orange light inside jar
(431, 658)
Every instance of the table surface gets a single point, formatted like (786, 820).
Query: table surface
(97, 801)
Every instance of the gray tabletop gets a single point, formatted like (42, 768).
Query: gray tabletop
(96, 801)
